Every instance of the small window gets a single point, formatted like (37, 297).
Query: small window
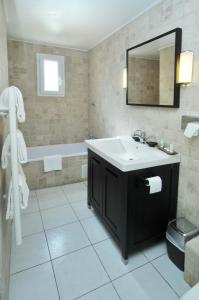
(50, 75)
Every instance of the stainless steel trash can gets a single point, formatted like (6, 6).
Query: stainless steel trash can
(179, 232)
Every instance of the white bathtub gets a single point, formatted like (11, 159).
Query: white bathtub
(74, 165)
(65, 150)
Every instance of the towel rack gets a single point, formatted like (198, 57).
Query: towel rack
(11, 113)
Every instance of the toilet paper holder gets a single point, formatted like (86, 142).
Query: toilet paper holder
(143, 180)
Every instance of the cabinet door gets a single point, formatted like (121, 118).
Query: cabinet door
(97, 183)
(112, 203)
(150, 212)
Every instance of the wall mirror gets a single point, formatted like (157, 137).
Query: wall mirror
(152, 71)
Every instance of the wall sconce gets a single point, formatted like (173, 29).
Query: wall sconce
(125, 78)
(185, 68)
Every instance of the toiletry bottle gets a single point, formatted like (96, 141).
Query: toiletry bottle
(161, 143)
(171, 148)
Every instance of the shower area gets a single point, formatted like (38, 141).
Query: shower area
(56, 120)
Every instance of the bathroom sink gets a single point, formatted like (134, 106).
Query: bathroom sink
(127, 155)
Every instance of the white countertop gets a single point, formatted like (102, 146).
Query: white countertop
(127, 155)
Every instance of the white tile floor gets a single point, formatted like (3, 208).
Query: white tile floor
(68, 254)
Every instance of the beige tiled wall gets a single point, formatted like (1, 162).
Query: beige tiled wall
(108, 114)
(51, 120)
(72, 172)
(167, 63)
(143, 81)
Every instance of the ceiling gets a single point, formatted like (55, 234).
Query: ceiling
(79, 24)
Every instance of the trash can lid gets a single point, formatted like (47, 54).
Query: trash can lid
(183, 226)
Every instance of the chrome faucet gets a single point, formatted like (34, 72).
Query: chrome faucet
(139, 136)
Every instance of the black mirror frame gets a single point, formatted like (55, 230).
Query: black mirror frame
(178, 45)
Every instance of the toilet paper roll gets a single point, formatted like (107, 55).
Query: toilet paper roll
(155, 184)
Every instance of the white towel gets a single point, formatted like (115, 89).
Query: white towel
(4, 102)
(52, 163)
(21, 150)
(23, 196)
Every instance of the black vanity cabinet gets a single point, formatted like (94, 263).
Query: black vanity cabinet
(122, 200)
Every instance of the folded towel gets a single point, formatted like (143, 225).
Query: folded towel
(23, 196)
(52, 163)
(18, 98)
(21, 150)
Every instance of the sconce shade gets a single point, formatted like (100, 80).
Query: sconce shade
(185, 68)
(125, 78)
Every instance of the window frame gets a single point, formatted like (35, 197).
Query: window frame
(41, 57)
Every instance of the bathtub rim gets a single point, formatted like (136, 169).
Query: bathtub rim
(67, 155)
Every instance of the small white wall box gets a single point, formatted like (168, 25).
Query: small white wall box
(192, 129)
(84, 171)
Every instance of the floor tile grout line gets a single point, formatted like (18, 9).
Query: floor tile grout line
(98, 259)
(64, 255)
(55, 280)
(116, 290)
(76, 221)
(51, 260)
(93, 244)
(96, 243)
(29, 213)
(49, 229)
(32, 199)
(150, 260)
(128, 272)
(53, 206)
(69, 253)
(80, 221)
(68, 204)
(102, 262)
(46, 237)
(76, 213)
(97, 256)
(67, 193)
(59, 226)
(34, 233)
(26, 269)
(56, 206)
(165, 280)
(99, 287)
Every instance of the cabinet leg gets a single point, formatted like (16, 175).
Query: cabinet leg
(89, 205)
(124, 257)
(125, 261)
